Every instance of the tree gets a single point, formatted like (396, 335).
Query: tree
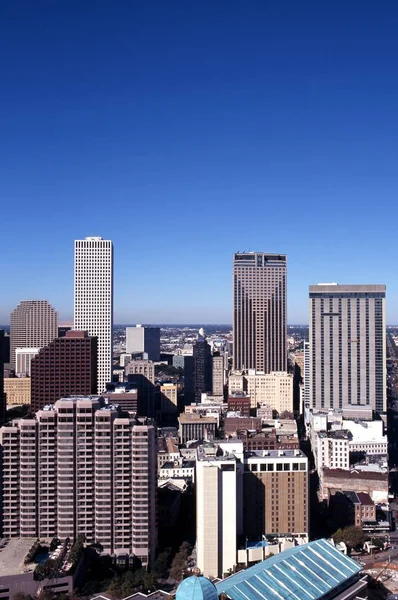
(161, 563)
(22, 596)
(179, 561)
(352, 536)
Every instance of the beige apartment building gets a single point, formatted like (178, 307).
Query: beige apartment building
(218, 371)
(82, 468)
(274, 389)
(168, 398)
(17, 390)
(33, 324)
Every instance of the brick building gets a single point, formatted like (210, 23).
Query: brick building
(67, 366)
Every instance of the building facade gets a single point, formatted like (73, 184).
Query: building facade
(274, 389)
(81, 468)
(202, 361)
(168, 398)
(348, 347)
(66, 367)
(218, 371)
(143, 340)
(196, 427)
(259, 313)
(217, 522)
(33, 324)
(17, 390)
(93, 299)
(2, 393)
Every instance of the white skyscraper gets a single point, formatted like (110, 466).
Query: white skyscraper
(94, 299)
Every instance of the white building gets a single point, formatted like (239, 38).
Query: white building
(23, 358)
(331, 450)
(217, 523)
(143, 340)
(93, 302)
(124, 359)
(367, 436)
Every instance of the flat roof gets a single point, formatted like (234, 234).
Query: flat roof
(13, 554)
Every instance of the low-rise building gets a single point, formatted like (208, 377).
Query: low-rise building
(351, 508)
(240, 403)
(196, 427)
(234, 423)
(178, 469)
(374, 483)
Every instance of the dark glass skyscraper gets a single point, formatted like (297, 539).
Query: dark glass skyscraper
(259, 317)
(202, 366)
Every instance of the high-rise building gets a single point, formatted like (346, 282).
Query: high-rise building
(306, 376)
(218, 522)
(348, 348)
(275, 493)
(94, 299)
(217, 375)
(23, 360)
(2, 395)
(82, 468)
(202, 361)
(143, 340)
(33, 324)
(257, 493)
(259, 315)
(66, 367)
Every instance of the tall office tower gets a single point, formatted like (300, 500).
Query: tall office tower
(66, 367)
(348, 348)
(218, 522)
(217, 375)
(33, 324)
(202, 360)
(143, 340)
(82, 468)
(259, 316)
(306, 375)
(2, 395)
(94, 299)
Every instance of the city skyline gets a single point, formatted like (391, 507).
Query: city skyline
(67, 317)
(285, 115)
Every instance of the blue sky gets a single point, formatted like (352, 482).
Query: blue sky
(185, 131)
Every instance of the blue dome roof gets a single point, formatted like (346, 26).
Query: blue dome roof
(196, 587)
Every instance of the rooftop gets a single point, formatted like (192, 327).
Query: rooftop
(354, 474)
(13, 554)
(306, 572)
(194, 418)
